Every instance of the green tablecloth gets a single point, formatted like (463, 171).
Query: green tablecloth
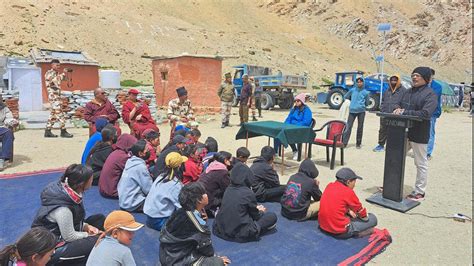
(286, 133)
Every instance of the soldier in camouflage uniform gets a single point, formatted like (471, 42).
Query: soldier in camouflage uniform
(226, 94)
(180, 110)
(53, 86)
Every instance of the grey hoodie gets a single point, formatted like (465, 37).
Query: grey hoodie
(134, 185)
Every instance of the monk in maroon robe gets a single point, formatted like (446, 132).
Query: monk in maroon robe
(137, 115)
(101, 107)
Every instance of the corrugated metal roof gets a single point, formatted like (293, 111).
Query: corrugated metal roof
(71, 57)
(19, 62)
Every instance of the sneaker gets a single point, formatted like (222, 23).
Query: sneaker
(223, 126)
(429, 157)
(379, 148)
(295, 155)
(358, 146)
(416, 197)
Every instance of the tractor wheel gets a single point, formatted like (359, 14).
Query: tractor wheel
(374, 100)
(335, 98)
(266, 101)
(286, 101)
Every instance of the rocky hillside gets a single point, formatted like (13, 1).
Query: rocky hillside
(318, 37)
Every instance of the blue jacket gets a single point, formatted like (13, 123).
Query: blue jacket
(162, 200)
(134, 185)
(359, 99)
(438, 90)
(300, 117)
(96, 137)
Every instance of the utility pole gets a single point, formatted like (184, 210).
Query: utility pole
(383, 27)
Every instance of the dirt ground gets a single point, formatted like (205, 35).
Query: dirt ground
(417, 239)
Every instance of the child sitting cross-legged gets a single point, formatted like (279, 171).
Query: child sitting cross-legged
(162, 200)
(193, 166)
(240, 219)
(296, 202)
(112, 248)
(341, 214)
(185, 238)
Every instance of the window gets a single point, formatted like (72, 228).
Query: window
(238, 74)
(164, 75)
(349, 80)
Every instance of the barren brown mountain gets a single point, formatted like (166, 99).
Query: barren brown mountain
(318, 37)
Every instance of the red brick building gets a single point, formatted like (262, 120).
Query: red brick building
(200, 74)
(85, 75)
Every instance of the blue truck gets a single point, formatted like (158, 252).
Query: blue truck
(347, 80)
(277, 89)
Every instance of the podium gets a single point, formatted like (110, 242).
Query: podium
(394, 170)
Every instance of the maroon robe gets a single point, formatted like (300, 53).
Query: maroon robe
(94, 110)
(138, 126)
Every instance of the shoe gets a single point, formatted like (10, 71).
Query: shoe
(416, 197)
(379, 148)
(429, 157)
(272, 227)
(65, 134)
(223, 125)
(49, 134)
(260, 116)
(295, 155)
(358, 146)
(254, 119)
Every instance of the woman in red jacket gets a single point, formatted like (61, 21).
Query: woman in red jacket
(193, 166)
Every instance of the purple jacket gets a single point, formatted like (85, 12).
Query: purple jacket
(114, 165)
(245, 93)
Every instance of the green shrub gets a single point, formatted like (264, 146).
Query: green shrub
(327, 81)
(130, 83)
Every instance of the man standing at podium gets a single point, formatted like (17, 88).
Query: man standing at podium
(420, 101)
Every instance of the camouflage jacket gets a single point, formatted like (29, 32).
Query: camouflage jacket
(176, 110)
(226, 92)
(53, 79)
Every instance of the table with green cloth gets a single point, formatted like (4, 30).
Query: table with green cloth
(285, 133)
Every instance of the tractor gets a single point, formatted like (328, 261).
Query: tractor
(347, 80)
(277, 89)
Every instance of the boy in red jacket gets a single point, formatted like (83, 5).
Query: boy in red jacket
(341, 214)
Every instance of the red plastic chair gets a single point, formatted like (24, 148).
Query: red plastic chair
(334, 132)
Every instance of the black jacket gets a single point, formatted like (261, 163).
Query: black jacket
(300, 189)
(391, 99)
(421, 102)
(215, 182)
(235, 220)
(97, 157)
(183, 240)
(160, 161)
(53, 197)
(264, 176)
